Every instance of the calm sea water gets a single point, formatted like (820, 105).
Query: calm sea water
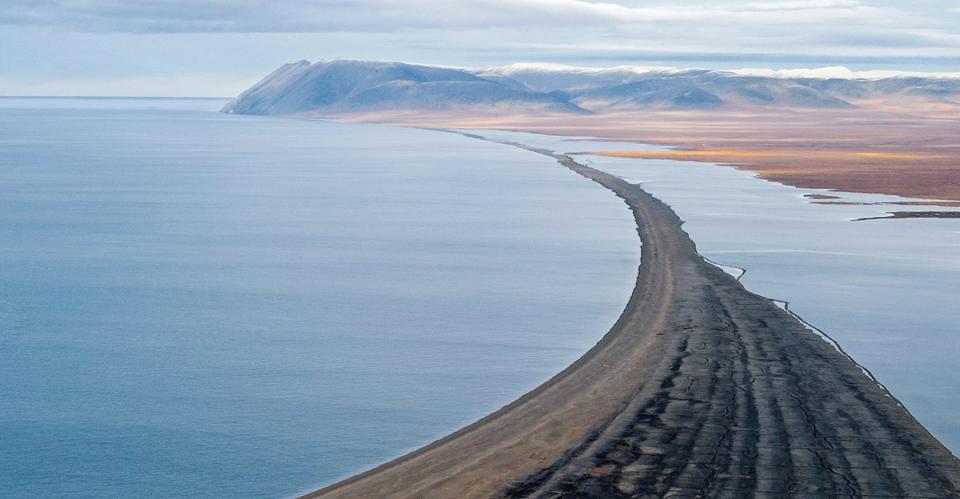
(887, 290)
(201, 305)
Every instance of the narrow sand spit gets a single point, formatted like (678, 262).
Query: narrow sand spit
(701, 389)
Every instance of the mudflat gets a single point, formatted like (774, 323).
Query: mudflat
(701, 389)
(911, 151)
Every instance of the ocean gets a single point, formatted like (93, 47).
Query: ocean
(203, 305)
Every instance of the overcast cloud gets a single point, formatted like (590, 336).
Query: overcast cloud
(216, 47)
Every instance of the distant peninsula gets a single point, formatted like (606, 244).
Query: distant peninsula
(701, 388)
(883, 132)
(345, 86)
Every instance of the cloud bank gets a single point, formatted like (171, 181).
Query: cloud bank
(326, 15)
(41, 40)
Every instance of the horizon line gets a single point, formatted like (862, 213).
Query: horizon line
(107, 97)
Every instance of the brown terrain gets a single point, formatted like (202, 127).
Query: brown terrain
(916, 214)
(701, 389)
(872, 148)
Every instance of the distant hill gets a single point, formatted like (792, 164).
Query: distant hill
(355, 86)
(630, 88)
(344, 86)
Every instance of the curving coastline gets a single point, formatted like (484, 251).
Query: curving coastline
(701, 389)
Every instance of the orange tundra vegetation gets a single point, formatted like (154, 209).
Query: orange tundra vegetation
(911, 151)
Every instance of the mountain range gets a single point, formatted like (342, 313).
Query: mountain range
(346, 86)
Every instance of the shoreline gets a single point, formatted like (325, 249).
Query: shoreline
(620, 420)
(859, 150)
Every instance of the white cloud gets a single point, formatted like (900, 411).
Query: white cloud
(60, 40)
(839, 72)
(771, 12)
(310, 15)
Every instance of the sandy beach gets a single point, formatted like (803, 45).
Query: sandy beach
(701, 389)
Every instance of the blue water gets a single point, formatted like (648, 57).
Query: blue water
(888, 291)
(202, 305)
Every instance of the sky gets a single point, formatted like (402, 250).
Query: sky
(220, 47)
